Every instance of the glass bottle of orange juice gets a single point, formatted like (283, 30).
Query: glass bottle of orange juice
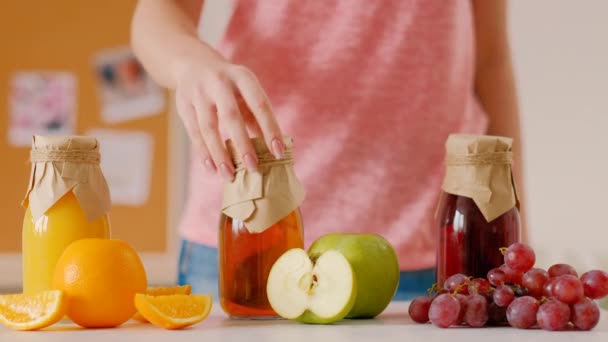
(260, 221)
(67, 199)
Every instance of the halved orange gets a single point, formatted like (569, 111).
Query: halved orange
(163, 291)
(32, 312)
(174, 311)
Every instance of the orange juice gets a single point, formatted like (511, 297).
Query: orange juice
(67, 199)
(44, 240)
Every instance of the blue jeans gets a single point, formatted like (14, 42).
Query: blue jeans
(198, 266)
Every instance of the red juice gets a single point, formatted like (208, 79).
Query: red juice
(468, 244)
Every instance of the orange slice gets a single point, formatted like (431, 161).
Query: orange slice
(32, 312)
(174, 311)
(163, 291)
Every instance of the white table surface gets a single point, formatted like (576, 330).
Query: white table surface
(393, 325)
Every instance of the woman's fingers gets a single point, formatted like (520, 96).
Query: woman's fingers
(188, 115)
(233, 123)
(212, 103)
(208, 126)
(257, 101)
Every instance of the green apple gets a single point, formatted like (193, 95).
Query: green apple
(376, 269)
(341, 276)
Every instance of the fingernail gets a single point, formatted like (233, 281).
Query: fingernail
(277, 148)
(250, 162)
(226, 172)
(209, 164)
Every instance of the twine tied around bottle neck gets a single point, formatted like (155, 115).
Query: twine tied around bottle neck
(266, 159)
(487, 158)
(74, 156)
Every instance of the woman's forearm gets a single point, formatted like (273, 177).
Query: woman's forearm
(496, 91)
(495, 82)
(162, 31)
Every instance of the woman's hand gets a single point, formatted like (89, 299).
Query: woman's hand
(213, 93)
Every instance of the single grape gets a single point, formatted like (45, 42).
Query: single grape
(444, 311)
(568, 289)
(585, 314)
(548, 288)
(553, 315)
(534, 280)
(503, 295)
(497, 315)
(520, 257)
(456, 282)
(462, 299)
(561, 269)
(595, 284)
(497, 277)
(512, 276)
(476, 312)
(521, 313)
(419, 309)
(480, 286)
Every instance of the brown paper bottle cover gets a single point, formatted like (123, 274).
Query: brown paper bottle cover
(480, 167)
(262, 198)
(66, 163)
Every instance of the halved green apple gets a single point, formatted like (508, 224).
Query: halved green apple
(320, 291)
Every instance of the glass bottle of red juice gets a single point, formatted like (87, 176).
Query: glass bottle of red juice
(478, 208)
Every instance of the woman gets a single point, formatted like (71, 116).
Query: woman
(370, 91)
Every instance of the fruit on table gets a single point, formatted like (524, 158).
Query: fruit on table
(503, 296)
(561, 269)
(456, 283)
(163, 291)
(444, 310)
(476, 312)
(32, 312)
(585, 314)
(520, 257)
(553, 315)
(100, 278)
(518, 295)
(568, 289)
(419, 309)
(341, 276)
(174, 311)
(320, 291)
(376, 268)
(533, 280)
(521, 313)
(595, 284)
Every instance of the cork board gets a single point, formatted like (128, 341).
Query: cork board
(65, 36)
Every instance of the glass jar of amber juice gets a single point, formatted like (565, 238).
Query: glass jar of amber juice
(67, 199)
(260, 221)
(478, 209)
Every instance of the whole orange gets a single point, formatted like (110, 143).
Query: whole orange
(100, 278)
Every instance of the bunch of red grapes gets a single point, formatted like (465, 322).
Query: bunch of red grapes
(518, 295)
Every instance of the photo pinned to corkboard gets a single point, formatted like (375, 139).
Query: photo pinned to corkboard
(126, 92)
(41, 102)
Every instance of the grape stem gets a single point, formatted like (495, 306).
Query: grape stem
(503, 250)
(462, 286)
(434, 289)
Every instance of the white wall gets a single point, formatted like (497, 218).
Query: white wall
(560, 52)
(561, 57)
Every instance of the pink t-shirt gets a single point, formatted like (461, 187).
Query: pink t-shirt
(370, 91)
